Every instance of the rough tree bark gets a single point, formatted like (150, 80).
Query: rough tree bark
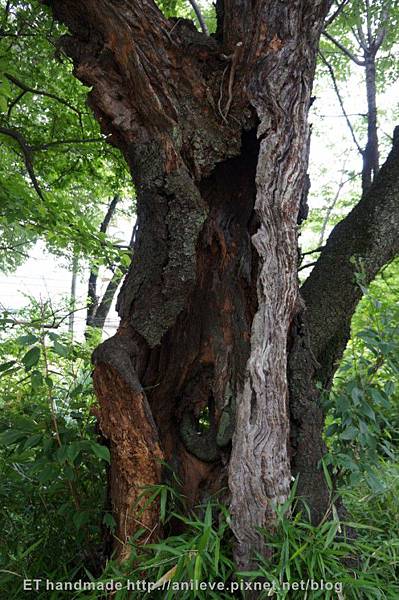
(215, 132)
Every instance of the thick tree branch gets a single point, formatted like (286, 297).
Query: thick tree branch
(100, 316)
(336, 13)
(382, 30)
(362, 38)
(14, 102)
(92, 286)
(368, 21)
(108, 296)
(364, 241)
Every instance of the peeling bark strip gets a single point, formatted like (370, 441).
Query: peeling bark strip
(280, 89)
(126, 421)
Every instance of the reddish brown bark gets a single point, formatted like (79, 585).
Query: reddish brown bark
(135, 451)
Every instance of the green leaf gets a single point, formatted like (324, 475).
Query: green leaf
(349, 433)
(208, 516)
(72, 451)
(101, 451)
(33, 440)
(48, 473)
(49, 382)
(7, 365)
(11, 436)
(60, 349)
(3, 104)
(327, 475)
(357, 395)
(332, 532)
(26, 340)
(216, 555)
(378, 398)
(109, 521)
(31, 358)
(36, 379)
(198, 568)
(162, 511)
(80, 519)
(125, 260)
(367, 410)
(61, 454)
(69, 473)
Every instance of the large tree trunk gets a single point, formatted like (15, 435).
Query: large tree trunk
(215, 132)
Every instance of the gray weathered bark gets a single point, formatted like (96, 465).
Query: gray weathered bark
(259, 471)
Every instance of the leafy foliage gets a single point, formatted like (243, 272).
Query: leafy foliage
(52, 465)
(57, 171)
(184, 9)
(363, 406)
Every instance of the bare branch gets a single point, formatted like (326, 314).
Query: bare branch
(54, 324)
(13, 248)
(307, 265)
(26, 88)
(319, 249)
(345, 50)
(356, 35)
(200, 16)
(26, 151)
(331, 207)
(14, 102)
(336, 13)
(362, 38)
(39, 147)
(341, 103)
